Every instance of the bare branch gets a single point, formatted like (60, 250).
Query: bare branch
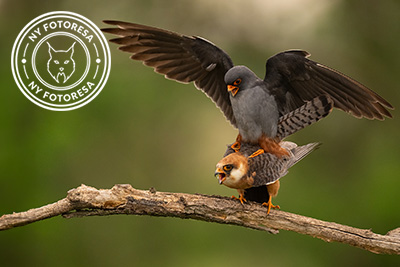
(123, 199)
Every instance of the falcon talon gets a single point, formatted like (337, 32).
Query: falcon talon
(270, 206)
(257, 153)
(236, 147)
(241, 199)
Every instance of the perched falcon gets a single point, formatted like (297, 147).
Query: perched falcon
(251, 104)
(259, 175)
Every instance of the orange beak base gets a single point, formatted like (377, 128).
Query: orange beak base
(233, 89)
(220, 174)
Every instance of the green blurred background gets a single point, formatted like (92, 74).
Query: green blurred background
(151, 132)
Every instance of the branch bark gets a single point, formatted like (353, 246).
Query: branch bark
(123, 199)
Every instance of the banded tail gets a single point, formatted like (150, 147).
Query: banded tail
(298, 152)
(303, 116)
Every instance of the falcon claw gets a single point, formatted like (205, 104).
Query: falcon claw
(236, 146)
(241, 198)
(269, 205)
(257, 153)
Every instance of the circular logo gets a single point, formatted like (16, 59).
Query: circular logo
(61, 61)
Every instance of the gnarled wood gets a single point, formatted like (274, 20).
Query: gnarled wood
(124, 199)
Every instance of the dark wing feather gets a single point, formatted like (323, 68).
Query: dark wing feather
(179, 57)
(294, 79)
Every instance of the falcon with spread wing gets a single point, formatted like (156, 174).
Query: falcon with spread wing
(251, 104)
(256, 175)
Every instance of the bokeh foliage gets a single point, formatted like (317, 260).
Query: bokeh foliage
(151, 132)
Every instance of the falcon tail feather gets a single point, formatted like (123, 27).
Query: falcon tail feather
(311, 112)
(300, 152)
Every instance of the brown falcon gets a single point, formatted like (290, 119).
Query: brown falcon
(251, 104)
(255, 174)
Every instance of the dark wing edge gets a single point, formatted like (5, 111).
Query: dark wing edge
(178, 57)
(294, 79)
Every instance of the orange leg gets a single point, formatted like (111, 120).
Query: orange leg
(236, 146)
(269, 205)
(258, 152)
(241, 198)
(272, 146)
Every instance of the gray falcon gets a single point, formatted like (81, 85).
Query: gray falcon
(251, 104)
(241, 171)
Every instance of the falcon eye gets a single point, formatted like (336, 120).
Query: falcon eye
(228, 167)
(237, 81)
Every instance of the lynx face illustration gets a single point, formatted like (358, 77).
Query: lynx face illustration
(61, 65)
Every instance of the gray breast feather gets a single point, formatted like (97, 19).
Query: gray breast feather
(255, 113)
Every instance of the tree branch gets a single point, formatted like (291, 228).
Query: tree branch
(123, 199)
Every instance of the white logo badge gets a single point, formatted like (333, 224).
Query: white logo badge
(61, 61)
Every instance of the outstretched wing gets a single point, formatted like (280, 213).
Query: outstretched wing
(179, 57)
(294, 79)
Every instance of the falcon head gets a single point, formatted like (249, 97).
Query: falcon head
(239, 78)
(232, 171)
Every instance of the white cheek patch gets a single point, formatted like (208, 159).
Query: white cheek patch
(237, 174)
(234, 177)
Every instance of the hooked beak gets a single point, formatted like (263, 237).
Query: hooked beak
(233, 89)
(220, 174)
